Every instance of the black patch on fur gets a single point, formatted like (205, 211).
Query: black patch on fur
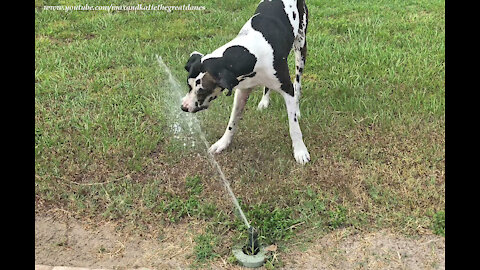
(227, 80)
(236, 61)
(273, 23)
(193, 65)
(229, 128)
(297, 78)
(294, 15)
(248, 76)
(202, 95)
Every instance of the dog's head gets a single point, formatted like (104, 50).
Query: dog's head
(204, 86)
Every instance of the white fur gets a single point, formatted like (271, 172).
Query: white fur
(289, 10)
(263, 104)
(300, 151)
(240, 99)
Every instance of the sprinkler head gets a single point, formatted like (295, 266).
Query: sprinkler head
(251, 255)
(252, 246)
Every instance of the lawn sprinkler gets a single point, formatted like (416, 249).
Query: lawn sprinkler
(251, 255)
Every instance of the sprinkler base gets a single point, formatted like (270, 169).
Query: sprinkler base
(250, 261)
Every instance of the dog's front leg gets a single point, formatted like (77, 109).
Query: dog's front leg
(240, 99)
(299, 149)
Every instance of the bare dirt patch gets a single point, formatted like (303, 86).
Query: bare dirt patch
(376, 250)
(69, 242)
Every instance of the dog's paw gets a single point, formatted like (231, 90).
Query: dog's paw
(219, 146)
(301, 155)
(263, 104)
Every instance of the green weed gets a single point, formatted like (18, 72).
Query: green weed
(204, 247)
(438, 223)
(273, 224)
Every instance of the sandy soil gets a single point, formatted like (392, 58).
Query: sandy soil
(68, 242)
(379, 250)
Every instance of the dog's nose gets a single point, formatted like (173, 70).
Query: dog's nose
(183, 108)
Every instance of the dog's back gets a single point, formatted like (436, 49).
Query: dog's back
(279, 22)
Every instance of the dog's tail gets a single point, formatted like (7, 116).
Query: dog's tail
(302, 10)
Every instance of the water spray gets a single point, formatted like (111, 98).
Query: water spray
(251, 255)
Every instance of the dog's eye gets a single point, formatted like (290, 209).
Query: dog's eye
(197, 82)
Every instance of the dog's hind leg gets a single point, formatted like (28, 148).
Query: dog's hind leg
(240, 99)
(263, 104)
(300, 48)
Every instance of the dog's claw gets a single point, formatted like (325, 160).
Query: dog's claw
(263, 104)
(219, 146)
(302, 156)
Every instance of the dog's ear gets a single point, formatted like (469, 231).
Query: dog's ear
(194, 58)
(226, 79)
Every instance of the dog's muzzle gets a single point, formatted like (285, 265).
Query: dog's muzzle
(197, 109)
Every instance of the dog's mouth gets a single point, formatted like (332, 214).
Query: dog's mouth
(201, 108)
(196, 109)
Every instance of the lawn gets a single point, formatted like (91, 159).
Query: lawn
(373, 119)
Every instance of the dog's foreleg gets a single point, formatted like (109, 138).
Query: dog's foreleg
(263, 104)
(299, 149)
(240, 99)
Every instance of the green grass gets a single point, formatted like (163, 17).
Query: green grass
(439, 223)
(204, 248)
(373, 119)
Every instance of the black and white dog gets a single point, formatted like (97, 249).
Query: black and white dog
(256, 56)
